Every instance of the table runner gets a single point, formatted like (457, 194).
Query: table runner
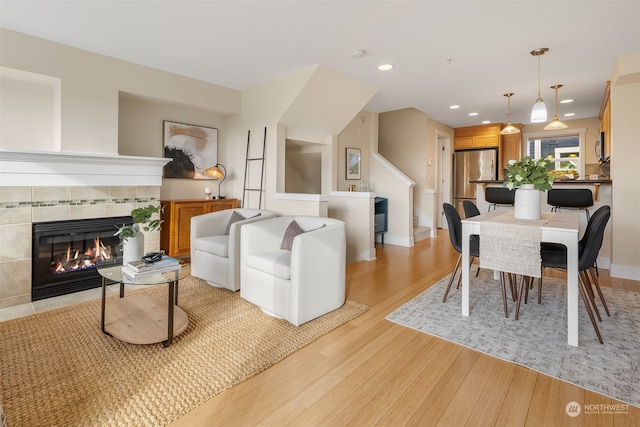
(512, 245)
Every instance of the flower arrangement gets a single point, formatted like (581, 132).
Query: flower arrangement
(529, 171)
(141, 216)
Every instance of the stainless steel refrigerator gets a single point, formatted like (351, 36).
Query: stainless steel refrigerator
(472, 165)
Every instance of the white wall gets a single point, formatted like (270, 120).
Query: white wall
(140, 134)
(358, 133)
(409, 140)
(356, 210)
(625, 170)
(90, 86)
(398, 189)
(30, 110)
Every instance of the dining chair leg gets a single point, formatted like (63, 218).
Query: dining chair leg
(503, 282)
(460, 276)
(594, 280)
(540, 288)
(455, 269)
(513, 279)
(520, 291)
(587, 287)
(585, 298)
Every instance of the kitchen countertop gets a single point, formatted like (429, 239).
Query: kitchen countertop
(559, 181)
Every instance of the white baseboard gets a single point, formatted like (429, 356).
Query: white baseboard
(624, 271)
(398, 241)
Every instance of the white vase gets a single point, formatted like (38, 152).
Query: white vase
(133, 248)
(527, 202)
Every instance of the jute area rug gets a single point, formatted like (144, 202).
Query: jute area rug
(57, 368)
(538, 339)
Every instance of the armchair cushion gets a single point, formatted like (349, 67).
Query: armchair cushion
(216, 245)
(275, 263)
(235, 217)
(292, 231)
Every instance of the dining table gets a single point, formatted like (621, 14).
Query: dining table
(560, 228)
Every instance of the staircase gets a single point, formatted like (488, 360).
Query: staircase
(420, 232)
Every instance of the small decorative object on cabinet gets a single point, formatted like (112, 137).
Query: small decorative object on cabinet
(380, 217)
(175, 236)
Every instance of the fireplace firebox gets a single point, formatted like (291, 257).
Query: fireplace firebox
(66, 253)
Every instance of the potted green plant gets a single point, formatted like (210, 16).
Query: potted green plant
(132, 238)
(530, 177)
(529, 171)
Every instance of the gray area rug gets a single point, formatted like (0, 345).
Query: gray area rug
(538, 340)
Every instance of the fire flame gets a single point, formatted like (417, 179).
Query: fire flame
(74, 260)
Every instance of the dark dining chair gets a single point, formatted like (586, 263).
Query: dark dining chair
(455, 235)
(587, 254)
(470, 209)
(570, 198)
(555, 250)
(499, 196)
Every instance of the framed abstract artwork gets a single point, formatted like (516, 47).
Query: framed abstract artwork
(352, 160)
(192, 150)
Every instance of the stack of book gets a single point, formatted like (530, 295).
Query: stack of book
(135, 269)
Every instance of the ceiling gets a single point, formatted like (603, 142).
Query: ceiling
(456, 52)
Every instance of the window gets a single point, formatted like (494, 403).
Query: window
(563, 148)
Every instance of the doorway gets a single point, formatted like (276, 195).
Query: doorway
(444, 178)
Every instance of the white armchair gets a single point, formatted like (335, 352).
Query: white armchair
(215, 245)
(300, 284)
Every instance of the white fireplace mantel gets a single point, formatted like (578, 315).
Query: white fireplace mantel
(52, 169)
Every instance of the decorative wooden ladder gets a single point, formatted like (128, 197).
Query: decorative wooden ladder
(259, 162)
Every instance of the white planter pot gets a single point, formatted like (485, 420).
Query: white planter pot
(527, 203)
(133, 248)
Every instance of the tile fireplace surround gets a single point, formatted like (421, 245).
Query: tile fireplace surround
(55, 186)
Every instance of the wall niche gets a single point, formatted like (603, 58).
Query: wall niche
(303, 167)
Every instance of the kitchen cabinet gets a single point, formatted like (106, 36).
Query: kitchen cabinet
(510, 149)
(175, 235)
(482, 136)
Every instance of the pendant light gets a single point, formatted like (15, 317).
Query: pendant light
(509, 128)
(556, 124)
(539, 111)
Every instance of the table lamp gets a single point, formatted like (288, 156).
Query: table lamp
(217, 172)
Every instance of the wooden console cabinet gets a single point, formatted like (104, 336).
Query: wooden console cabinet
(176, 229)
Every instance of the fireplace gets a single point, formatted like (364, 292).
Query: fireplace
(66, 253)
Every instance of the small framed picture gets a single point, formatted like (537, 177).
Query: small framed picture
(352, 160)
(192, 150)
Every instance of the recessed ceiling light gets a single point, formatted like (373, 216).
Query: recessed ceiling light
(473, 114)
(385, 67)
(485, 122)
(566, 101)
(454, 107)
(569, 114)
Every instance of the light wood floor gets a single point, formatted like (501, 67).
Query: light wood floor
(374, 372)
